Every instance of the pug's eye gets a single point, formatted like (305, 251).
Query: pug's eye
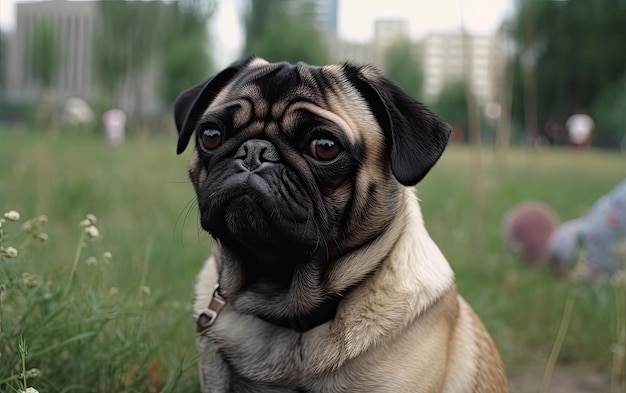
(211, 139)
(324, 149)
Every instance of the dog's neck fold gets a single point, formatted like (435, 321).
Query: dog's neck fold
(411, 275)
(405, 242)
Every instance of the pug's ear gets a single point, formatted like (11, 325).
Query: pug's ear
(416, 137)
(191, 103)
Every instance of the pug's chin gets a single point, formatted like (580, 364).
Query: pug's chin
(269, 236)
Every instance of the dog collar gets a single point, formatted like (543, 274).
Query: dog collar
(322, 314)
(208, 316)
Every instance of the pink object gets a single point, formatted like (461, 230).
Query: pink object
(527, 228)
(115, 125)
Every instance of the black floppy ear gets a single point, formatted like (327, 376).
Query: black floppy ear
(192, 102)
(416, 137)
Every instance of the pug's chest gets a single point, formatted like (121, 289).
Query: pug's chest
(245, 356)
(253, 358)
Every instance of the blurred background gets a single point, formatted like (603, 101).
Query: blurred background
(535, 91)
(501, 71)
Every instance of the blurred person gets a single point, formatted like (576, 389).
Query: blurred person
(579, 128)
(587, 247)
(115, 125)
(552, 131)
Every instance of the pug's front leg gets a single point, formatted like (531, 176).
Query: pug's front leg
(215, 374)
(218, 376)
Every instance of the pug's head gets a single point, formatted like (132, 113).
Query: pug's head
(295, 166)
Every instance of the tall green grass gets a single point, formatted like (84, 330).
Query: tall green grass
(125, 325)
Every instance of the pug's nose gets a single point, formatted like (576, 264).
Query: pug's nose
(255, 154)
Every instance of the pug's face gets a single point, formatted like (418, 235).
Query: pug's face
(302, 164)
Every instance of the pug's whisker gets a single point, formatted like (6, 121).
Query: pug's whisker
(183, 215)
(324, 242)
(319, 237)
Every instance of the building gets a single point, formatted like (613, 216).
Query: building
(75, 23)
(323, 13)
(446, 57)
(457, 56)
(386, 31)
(341, 51)
(326, 15)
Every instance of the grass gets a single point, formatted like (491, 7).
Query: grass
(124, 324)
(522, 307)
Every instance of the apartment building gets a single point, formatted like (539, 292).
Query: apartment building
(75, 23)
(456, 56)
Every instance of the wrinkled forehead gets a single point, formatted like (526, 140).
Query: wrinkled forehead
(274, 91)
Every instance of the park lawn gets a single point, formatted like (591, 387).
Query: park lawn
(126, 326)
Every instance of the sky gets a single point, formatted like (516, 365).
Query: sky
(356, 19)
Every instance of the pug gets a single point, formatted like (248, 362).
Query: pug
(323, 277)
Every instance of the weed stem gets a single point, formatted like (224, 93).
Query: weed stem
(558, 342)
(79, 249)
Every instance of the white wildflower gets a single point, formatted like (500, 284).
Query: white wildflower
(29, 390)
(30, 280)
(91, 261)
(145, 289)
(12, 215)
(92, 231)
(92, 218)
(33, 373)
(10, 252)
(42, 237)
(85, 223)
(106, 257)
(27, 226)
(113, 291)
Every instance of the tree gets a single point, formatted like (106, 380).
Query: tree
(279, 30)
(258, 16)
(45, 55)
(186, 39)
(178, 72)
(45, 62)
(136, 34)
(402, 65)
(451, 105)
(125, 42)
(570, 52)
(609, 112)
(3, 62)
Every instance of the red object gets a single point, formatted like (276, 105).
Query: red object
(527, 229)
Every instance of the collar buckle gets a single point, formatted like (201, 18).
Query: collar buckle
(209, 315)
